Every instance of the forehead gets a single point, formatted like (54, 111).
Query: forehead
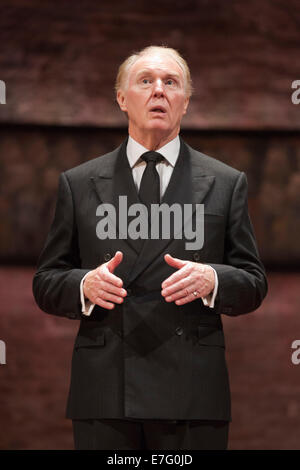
(156, 63)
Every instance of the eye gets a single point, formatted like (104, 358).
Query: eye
(145, 81)
(171, 82)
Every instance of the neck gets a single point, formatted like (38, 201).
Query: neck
(151, 140)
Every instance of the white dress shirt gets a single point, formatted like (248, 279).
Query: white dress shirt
(170, 152)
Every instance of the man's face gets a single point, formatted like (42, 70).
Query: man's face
(154, 97)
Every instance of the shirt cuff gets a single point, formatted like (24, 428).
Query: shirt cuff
(86, 305)
(209, 300)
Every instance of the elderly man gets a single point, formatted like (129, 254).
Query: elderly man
(148, 367)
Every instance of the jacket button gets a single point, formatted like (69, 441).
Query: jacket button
(129, 292)
(196, 256)
(179, 331)
(107, 256)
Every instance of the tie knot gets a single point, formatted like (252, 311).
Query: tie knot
(152, 157)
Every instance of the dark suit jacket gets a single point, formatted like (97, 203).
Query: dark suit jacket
(148, 358)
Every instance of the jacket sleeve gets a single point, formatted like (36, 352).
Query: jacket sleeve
(56, 283)
(242, 279)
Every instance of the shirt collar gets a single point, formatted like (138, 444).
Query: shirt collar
(170, 151)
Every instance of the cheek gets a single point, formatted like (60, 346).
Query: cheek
(178, 102)
(180, 107)
(135, 104)
(178, 112)
(132, 106)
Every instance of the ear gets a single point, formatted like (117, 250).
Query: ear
(121, 100)
(186, 103)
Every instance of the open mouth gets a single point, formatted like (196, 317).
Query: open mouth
(158, 109)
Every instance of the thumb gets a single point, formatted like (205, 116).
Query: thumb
(174, 262)
(115, 261)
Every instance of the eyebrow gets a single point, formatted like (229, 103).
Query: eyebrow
(150, 71)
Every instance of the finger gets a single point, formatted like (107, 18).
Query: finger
(174, 262)
(110, 297)
(183, 293)
(108, 287)
(177, 276)
(104, 304)
(115, 261)
(177, 286)
(189, 298)
(105, 275)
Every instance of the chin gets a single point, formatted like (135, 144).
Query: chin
(159, 126)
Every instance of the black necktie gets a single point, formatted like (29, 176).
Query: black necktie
(149, 192)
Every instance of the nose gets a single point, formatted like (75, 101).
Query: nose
(158, 88)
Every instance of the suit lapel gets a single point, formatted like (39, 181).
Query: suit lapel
(188, 185)
(114, 180)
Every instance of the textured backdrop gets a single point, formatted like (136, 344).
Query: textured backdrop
(60, 60)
